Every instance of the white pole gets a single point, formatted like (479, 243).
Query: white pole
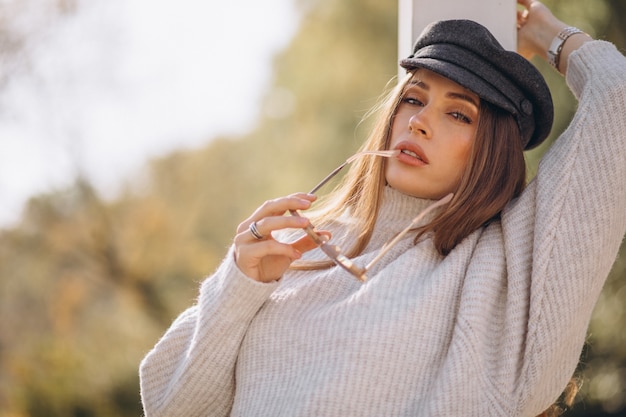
(496, 15)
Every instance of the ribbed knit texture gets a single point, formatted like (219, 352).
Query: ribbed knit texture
(493, 329)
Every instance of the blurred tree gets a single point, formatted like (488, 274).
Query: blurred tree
(87, 286)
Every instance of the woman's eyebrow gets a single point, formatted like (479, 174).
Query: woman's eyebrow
(464, 97)
(454, 95)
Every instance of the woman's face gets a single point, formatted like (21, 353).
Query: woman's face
(434, 128)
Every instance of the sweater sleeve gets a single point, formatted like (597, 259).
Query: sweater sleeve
(579, 203)
(190, 371)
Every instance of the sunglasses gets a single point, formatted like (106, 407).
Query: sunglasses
(334, 251)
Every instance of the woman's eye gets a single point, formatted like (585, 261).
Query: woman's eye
(461, 117)
(413, 101)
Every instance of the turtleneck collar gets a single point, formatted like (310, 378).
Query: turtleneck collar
(397, 210)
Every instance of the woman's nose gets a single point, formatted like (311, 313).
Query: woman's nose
(418, 124)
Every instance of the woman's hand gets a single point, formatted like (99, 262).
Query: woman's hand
(537, 27)
(266, 259)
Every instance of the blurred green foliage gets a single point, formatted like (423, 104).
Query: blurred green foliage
(88, 285)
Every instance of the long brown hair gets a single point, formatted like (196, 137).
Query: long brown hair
(495, 174)
(565, 401)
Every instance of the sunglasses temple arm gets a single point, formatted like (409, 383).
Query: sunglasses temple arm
(400, 235)
(387, 154)
(328, 177)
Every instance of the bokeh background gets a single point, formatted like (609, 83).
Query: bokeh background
(135, 135)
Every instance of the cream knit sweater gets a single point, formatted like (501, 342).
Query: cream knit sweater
(493, 329)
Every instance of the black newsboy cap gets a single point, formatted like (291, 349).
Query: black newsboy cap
(468, 54)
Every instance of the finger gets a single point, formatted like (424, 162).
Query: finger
(249, 257)
(278, 207)
(521, 18)
(255, 252)
(266, 226)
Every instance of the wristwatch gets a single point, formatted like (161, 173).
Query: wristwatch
(554, 52)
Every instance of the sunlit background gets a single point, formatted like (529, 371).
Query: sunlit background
(136, 134)
(97, 87)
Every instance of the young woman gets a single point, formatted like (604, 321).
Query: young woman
(480, 307)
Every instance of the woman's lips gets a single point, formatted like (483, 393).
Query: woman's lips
(411, 154)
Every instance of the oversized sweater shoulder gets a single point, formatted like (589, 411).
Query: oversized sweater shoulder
(495, 328)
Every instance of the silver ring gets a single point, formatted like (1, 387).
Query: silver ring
(255, 231)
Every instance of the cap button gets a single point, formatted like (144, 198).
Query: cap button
(527, 107)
